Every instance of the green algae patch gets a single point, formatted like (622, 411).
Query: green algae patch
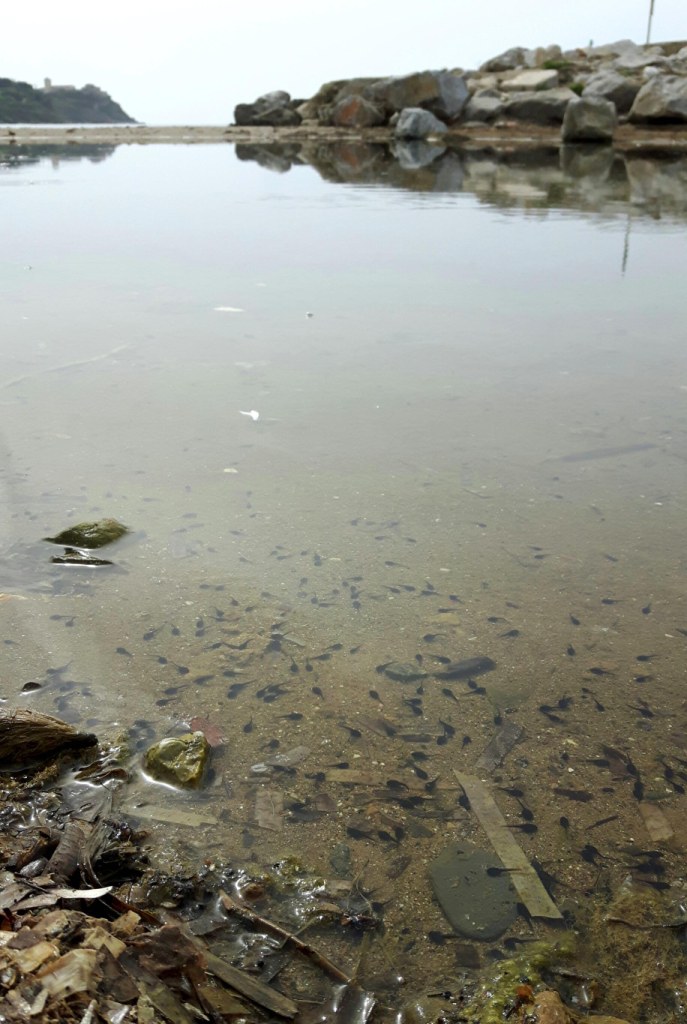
(90, 535)
(179, 760)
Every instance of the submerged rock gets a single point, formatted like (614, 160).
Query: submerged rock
(179, 760)
(90, 535)
(404, 673)
(475, 894)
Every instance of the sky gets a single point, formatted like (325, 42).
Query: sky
(192, 62)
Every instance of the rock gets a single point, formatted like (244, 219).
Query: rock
(589, 119)
(545, 107)
(663, 99)
(90, 535)
(271, 109)
(478, 905)
(415, 123)
(178, 760)
(440, 92)
(641, 58)
(516, 57)
(484, 106)
(537, 79)
(404, 673)
(589, 162)
(548, 1009)
(611, 85)
(542, 54)
(356, 112)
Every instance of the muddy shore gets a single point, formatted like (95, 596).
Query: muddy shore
(628, 137)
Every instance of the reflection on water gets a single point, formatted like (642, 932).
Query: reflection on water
(471, 443)
(583, 177)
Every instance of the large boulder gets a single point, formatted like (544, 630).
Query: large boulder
(589, 119)
(611, 85)
(273, 109)
(357, 112)
(545, 107)
(484, 106)
(516, 57)
(663, 99)
(416, 123)
(537, 78)
(320, 107)
(441, 92)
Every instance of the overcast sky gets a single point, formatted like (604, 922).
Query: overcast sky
(190, 63)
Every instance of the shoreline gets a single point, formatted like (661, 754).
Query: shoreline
(627, 138)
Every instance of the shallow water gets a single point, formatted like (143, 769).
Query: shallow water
(471, 441)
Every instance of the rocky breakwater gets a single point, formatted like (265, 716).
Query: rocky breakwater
(583, 92)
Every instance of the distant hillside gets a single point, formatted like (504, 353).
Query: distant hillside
(21, 103)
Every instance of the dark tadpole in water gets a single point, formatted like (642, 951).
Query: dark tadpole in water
(646, 610)
(374, 695)
(123, 650)
(293, 716)
(527, 827)
(511, 633)
(645, 657)
(235, 689)
(450, 694)
(248, 727)
(575, 621)
(571, 652)
(466, 741)
(317, 691)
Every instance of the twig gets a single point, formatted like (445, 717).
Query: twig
(318, 958)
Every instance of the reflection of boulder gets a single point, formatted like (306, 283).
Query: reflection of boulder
(594, 163)
(659, 185)
(546, 107)
(663, 98)
(412, 154)
(274, 157)
(589, 119)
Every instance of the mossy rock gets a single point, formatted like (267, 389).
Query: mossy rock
(179, 760)
(90, 535)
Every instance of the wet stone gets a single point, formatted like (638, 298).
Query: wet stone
(340, 860)
(404, 673)
(179, 760)
(479, 905)
(90, 535)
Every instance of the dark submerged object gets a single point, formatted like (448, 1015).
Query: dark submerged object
(27, 736)
(465, 669)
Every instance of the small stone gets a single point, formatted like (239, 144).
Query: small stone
(178, 760)
(404, 673)
(476, 896)
(90, 535)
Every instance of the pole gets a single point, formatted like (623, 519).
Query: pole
(648, 28)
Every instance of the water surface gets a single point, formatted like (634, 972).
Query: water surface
(471, 385)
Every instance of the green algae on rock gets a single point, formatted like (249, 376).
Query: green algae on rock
(90, 535)
(178, 760)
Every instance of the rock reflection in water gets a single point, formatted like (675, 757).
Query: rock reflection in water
(594, 178)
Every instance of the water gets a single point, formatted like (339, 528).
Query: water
(471, 441)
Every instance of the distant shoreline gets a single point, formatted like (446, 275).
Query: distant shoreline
(628, 137)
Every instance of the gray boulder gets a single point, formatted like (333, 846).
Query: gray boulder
(546, 107)
(611, 85)
(663, 99)
(484, 106)
(356, 112)
(516, 57)
(589, 119)
(272, 109)
(416, 123)
(442, 93)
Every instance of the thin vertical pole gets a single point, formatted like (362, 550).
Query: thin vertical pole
(648, 28)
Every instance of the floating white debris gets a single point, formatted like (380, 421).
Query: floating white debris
(254, 414)
(228, 309)
(231, 469)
